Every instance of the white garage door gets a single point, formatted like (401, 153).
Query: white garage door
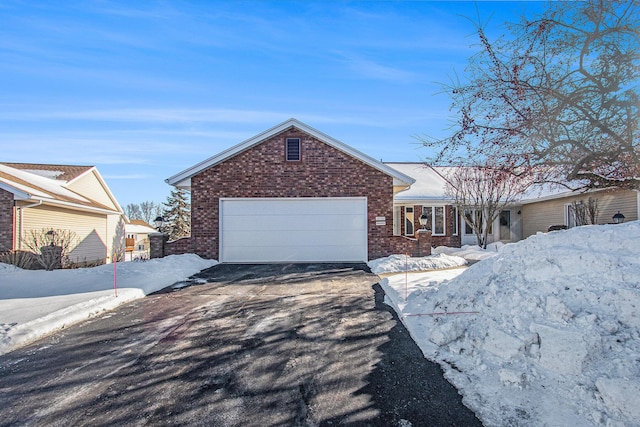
(293, 230)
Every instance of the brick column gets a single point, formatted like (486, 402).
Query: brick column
(424, 242)
(156, 244)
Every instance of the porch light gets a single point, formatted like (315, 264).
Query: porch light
(423, 221)
(159, 222)
(618, 218)
(51, 236)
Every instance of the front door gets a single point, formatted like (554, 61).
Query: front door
(505, 225)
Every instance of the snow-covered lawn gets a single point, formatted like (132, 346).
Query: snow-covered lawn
(36, 303)
(546, 332)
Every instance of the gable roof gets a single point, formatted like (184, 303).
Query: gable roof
(183, 179)
(431, 183)
(59, 172)
(49, 184)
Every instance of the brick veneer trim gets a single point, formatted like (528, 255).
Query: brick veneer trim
(6, 220)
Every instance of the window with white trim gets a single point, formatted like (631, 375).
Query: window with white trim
(408, 221)
(293, 149)
(456, 221)
(436, 219)
(397, 224)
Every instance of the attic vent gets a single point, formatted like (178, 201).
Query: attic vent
(293, 149)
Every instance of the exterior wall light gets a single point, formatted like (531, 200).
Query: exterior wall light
(618, 218)
(159, 222)
(423, 221)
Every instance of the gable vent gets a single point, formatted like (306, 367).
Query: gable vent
(293, 149)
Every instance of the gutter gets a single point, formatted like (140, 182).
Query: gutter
(21, 226)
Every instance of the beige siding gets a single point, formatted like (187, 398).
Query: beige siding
(539, 216)
(90, 229)
(89, 185)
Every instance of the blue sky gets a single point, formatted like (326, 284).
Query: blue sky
(145, 89)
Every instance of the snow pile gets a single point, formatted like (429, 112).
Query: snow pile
(471, 252)
(36, 303)
(397, 263)
(546, 333)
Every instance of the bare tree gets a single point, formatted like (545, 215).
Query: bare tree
(487, 190)
(132, 210)
(560, 91)
(149, 211)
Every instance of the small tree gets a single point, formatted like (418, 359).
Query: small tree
(487, 190)
(177, 214)
(593, 210)
(51, 247)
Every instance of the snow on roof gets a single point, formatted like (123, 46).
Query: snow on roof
(139, 228)
(41, 183)
(429, 185)
(37, 185)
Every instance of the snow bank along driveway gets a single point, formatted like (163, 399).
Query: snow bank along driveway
(36, 303)
(556, 337)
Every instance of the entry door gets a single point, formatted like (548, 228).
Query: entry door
(293, 230)
(505, 225)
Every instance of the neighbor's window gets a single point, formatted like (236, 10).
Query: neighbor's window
(435, 219)
(408, 221)
(293, 149)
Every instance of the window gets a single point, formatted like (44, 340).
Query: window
(456, 220)
(408, 221)
(396, 221)
(293, 149)
(435, 219)
(477, 218)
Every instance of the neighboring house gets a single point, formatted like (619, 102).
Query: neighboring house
(537, 210)
(137, 239)
(292, 194)
(543, 209)
(34, 197)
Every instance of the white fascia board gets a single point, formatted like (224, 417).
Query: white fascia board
(77, 207)
(17, 194)
(181, 177)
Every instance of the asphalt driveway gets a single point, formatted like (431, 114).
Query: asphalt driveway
(257, 345)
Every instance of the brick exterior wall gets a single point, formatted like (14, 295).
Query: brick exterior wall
(262, 171)
(6, 221)
(179, 246)
(448, 239)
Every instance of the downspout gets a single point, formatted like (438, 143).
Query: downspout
(22, 208)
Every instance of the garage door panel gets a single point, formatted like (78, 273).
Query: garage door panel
(271, 238)
(296, 222)
(292, 254)
(293, 230)
(309, 206)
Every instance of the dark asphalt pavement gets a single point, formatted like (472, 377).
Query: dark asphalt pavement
(258, 345)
